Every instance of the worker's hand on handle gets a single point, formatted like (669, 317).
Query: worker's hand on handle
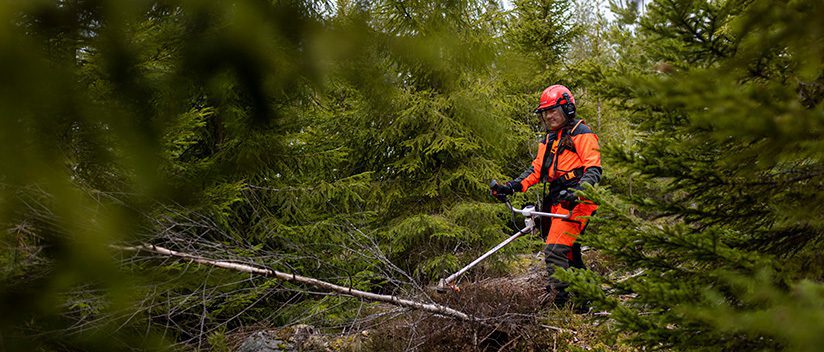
(500, 191)
(568, 199)
(568, 195)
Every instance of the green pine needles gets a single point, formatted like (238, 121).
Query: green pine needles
(719, 212)
(354, 142)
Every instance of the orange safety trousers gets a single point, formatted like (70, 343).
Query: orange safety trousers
(566, 231)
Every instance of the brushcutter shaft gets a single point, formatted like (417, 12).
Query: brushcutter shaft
(530, 214)
(454, 276)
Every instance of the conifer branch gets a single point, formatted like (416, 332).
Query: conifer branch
(348, 291)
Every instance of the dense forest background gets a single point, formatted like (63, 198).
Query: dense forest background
(353, 142)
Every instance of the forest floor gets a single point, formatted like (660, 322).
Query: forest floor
(513, 313)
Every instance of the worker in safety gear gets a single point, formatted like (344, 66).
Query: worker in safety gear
(568, 157)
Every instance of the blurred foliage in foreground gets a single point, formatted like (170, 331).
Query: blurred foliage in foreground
(350, 142)
(353, 142)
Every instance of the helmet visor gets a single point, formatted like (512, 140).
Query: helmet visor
(552, 118)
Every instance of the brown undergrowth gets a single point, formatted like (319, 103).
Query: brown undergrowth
(505, 306)
(513, 312)
(508, 311)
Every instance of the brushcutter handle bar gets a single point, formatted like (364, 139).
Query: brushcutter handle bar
(529, 211)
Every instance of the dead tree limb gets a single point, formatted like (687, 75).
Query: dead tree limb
(431, 308)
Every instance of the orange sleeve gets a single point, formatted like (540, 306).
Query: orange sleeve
(527, 180)
(532, 178)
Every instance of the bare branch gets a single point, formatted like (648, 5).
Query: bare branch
(559, 329)
(431, 308)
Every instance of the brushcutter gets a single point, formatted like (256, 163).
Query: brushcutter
(531, 218)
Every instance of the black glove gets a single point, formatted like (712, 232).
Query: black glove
(568, 195)
(500, 191)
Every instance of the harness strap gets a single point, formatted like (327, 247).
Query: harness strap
(574, 173)
(576, 126)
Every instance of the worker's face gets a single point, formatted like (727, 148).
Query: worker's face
(553, 118)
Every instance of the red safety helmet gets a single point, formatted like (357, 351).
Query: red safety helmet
(555, 96)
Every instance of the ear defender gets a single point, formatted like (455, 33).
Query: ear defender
(567, 105)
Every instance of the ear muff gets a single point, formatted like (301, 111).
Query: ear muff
(567, 105)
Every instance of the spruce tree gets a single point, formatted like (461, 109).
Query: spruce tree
(721, 228)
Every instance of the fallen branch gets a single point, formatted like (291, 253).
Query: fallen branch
(431, 308)
(559, 329)
(632, 276)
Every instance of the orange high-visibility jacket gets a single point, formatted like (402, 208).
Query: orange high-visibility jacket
(566, 158)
